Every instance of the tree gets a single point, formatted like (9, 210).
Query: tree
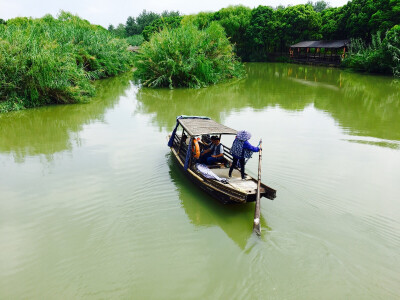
(144, 19)
(331, 23)
(235, 20)
(319, 6)
(298, 23)
(131, 27)
(386, 14)
(160, 24)
(202, 20)
(261, 34)
(363, 18)
(120, 31)
(167, 14)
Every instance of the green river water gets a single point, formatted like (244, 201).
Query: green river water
(93, 206)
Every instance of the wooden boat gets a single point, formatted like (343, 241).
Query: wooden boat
(221, 187)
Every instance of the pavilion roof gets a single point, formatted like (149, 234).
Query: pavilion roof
(322, 44)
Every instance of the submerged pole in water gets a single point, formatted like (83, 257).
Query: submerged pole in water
(256, 224)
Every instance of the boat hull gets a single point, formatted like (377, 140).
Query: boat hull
(217, 190)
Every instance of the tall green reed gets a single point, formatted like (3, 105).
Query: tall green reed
(51, 61)
(187, 57)
(381, 56)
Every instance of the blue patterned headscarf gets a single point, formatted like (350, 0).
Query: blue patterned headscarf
(243, 135)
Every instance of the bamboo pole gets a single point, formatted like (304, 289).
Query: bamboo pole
(256, 223)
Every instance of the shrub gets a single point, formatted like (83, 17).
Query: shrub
(135, 40)
(392, 43)
(49, 61)
(372, 58)
(187, 57)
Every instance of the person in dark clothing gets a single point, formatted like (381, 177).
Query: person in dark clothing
(241, 149)
(213, 154)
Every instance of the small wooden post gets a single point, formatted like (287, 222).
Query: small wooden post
(256, 223)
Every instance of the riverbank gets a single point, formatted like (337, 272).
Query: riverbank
(55, 60)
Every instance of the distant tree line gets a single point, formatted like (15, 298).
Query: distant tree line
(134, 27)
(263, 30)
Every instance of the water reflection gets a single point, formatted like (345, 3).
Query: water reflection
(363, 105)
(203, 210)
(52, 129)
(166, 104)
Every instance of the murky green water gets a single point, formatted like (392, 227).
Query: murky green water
(92, 204)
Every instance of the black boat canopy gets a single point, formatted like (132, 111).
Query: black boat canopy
(198, 126)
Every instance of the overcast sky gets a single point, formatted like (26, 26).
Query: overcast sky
(106, 12)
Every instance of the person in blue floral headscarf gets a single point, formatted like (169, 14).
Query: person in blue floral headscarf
(241, 149)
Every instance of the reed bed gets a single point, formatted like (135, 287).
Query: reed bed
(381, 56)
(187, 57)
(54, 60)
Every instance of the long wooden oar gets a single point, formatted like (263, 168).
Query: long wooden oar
(256, 224)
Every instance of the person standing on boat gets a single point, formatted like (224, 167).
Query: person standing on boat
(213, 154)
(241, 149)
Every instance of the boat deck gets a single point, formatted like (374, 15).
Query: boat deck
(249, 185)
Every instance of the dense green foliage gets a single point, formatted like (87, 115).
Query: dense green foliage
(135, 26)
(360, 19)
(392, 42)
(381, 56)
(187, 57)
(50, 60)
(368, 58)
(135, 40)
(261, 34)
(201, 20)
(257, 33)
(265, 33)
(235, 20)
(45, 61)
(319, 6)
(118, 31)
(160, 24)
